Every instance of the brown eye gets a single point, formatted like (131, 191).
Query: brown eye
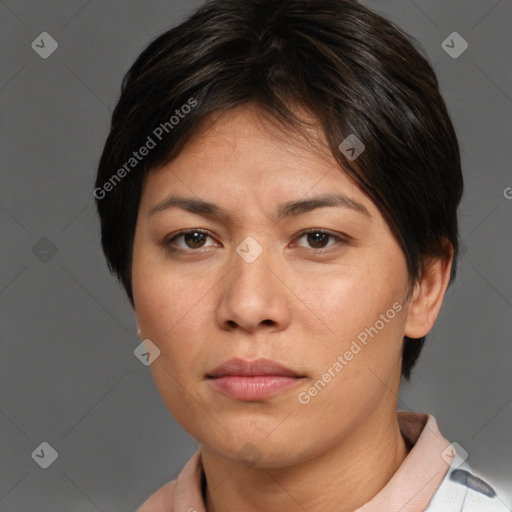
(318, 239)
(191, 240)
(194, 239)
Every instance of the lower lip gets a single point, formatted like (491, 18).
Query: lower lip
(252, 388)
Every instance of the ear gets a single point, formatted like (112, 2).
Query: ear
(428, 294)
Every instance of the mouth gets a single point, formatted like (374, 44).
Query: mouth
(252, 380)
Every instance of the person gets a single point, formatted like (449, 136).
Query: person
(278, 196)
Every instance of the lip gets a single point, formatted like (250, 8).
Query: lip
(252, 380)
(256, 367)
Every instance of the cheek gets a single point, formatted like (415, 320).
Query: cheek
(348, 299)
(172, 315)
(168, 314)
(360, 314)
(164, 300)
(164, 307)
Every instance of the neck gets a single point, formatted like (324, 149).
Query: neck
(348, 475)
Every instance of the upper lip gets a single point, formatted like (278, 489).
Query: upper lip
(255, 367)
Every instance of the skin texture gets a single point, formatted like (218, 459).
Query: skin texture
(301, 302)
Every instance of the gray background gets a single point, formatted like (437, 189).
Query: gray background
(68, 375)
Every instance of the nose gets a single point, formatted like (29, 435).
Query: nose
(253, 295)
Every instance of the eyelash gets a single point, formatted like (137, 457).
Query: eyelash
(168, 242)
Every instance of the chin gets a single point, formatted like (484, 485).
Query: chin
(259, 450)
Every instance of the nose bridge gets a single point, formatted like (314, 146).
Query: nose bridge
(252, 295)
(251, 262)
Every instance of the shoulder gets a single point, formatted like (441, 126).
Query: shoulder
(160, 501)
(465, 490)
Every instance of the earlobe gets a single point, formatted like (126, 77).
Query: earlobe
(139, 332)
(427, 297)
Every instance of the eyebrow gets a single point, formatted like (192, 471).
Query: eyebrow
(285, 210)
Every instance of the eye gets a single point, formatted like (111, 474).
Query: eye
(318, 238)
(192, 238)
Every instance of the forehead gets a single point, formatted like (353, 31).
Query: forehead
(243, 155)
(249, 134)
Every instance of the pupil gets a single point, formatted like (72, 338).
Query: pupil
(317, 238)
(196, 237)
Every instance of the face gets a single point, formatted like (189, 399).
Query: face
(266, 272)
